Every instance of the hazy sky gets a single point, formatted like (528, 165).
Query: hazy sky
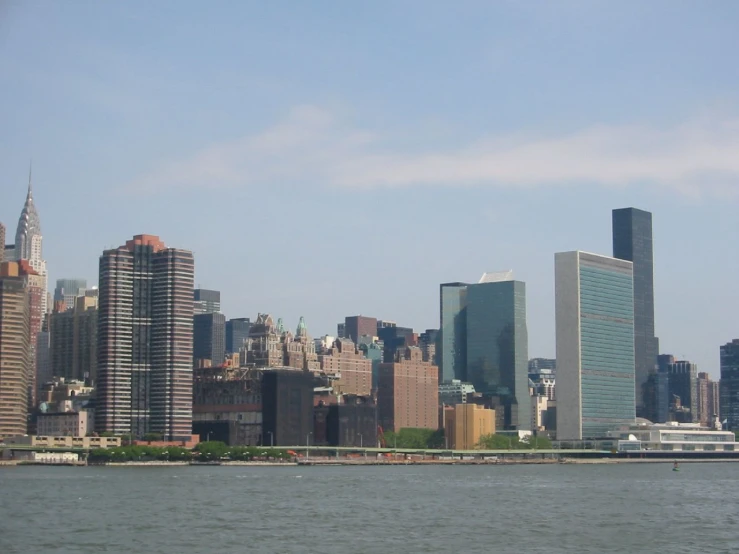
(333, 158)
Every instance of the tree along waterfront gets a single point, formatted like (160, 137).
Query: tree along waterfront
(205, 451)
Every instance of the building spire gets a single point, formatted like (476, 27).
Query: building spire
(30, 169)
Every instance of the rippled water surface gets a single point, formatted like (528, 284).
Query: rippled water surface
(555, 509)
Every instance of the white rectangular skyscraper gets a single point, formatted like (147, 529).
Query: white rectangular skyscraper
(594, 300)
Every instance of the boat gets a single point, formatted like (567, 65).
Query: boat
(675, 466)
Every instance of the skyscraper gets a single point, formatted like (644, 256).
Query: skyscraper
(632, 241)
(28, 242)
(359, 325)
(67, 290)
(408, 392)
(707, 398)
(353, 369)
(497, 344)
(15, 360)
(683, 385)
(237, 331)
(453, 330)
(2, 242)
(206, 301)
(145, 329)
(73, 340)
(594, 305)
(729, 384)
(209, 338)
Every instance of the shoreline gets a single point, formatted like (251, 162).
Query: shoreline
(375, 462)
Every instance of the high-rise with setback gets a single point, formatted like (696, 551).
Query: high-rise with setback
(28, 243)
(632, 241)
(15, 361)
(145, 333)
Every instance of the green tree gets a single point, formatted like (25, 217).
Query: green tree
(412, 438)
(436, 440)
(99, 455)
(539, 442)
(152, 437)
(212, 450)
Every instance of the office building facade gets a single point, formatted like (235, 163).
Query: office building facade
(466, 424)
(729, 384)
(73, 340)
(632, 241)
(237, 331)
(395, 340)
(707, 399)
(145, 322)
(453, 330)
(408, 392)
(353, 371)
(359, 325)
(682, 381)
(594, 306)
(209, 339)
(497, 346)
(287, 407)
(206, 301)
(67, 291)
(15, 360)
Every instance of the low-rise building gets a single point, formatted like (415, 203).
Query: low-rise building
(46, 457)
(65, 424)
(466, 424)
(674, 437)
(63, 442)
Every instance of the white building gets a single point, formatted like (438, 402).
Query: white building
(47, 457)
(674, 437)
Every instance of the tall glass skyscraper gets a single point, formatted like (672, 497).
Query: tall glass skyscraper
(237, 331)
(67, 290)
(497, 346)
(594, 302)
(632, 241)
(729, 384)
(453, 329)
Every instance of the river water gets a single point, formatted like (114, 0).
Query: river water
(552, 509)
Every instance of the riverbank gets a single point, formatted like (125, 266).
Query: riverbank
(325, 462)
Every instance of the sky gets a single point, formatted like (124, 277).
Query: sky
(334, 158)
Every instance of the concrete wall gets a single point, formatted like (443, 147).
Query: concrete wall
(567, 315)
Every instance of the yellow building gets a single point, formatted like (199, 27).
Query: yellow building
(465, 424)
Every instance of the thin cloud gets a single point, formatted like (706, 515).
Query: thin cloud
(311, 146)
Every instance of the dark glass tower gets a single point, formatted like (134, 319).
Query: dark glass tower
(497, 347)
(209, 338)
(729, 384)
(237, 331)
(632, 241)
(453, 332)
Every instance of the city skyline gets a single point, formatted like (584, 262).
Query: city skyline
(215, 102)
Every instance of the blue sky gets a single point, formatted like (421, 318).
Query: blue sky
(332, 158)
